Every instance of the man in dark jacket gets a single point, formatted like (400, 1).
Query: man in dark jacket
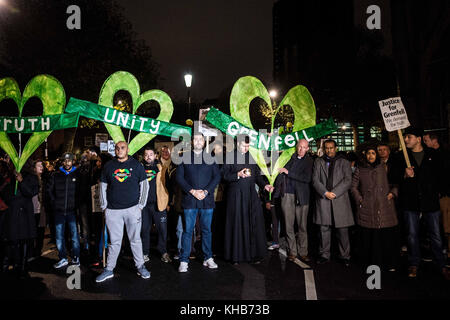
(198, 180)
(156, 208)
(85, 206)
(295, 179)
(63, 192)
(432, 141)
(419, 193)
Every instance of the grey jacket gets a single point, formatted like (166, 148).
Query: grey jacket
(342, 181)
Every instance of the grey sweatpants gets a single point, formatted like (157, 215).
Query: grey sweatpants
(291, 213)
(115, 219)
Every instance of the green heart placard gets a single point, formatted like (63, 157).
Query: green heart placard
(53, 97)
(248, 88)
(123, 80)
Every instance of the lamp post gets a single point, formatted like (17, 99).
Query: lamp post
(188, 81)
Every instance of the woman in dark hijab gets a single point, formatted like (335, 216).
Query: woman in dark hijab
(376, 215)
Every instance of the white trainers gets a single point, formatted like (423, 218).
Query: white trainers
(183, 267)
(274, 246)
(146, 258)
(210, 263)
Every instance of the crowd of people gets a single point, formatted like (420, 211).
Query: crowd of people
(375, 204)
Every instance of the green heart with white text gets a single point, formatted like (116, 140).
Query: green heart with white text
(53, 97)
(122, 80)
(248, 88)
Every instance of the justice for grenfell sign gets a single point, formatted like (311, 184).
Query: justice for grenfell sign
(394, 114)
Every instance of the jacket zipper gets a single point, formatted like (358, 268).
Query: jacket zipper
(65, 199)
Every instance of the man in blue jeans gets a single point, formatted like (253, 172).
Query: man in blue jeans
(420, 189)
(198, 179)
(63, 191)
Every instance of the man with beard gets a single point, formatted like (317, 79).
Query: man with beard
(156, 208)
(123, 195)
(198, 180)
(245, 239)
(64, 190)
(332, 179)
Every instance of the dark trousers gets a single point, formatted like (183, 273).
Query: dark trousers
(276, 215)
(39, 242)
(84, 212)
(151, 215)
(431, 220)
(379, 247)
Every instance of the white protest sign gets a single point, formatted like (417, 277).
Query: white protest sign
(103, 146)
(111, 147)
(394, 114)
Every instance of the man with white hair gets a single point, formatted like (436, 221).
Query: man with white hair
(294, 191)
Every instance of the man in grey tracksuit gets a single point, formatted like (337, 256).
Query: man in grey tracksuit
(123, 195)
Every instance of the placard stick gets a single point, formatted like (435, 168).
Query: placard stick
(405, 153)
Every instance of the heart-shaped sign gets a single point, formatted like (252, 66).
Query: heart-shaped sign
(53, 97)
(248, 88)
(122, 80)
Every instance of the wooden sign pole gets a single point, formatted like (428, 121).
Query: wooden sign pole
(405, 153)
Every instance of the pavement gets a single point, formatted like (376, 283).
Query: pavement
(274, 279)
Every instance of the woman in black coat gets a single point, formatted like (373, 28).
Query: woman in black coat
(20, 221)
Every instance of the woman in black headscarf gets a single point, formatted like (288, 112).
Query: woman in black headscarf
(376, 215)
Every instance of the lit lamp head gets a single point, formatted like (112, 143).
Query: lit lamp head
(273, 94)
(188, 80)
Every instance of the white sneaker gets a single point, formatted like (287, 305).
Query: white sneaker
(210, 263)
(146, 258)
(274, 246)
(183, 267)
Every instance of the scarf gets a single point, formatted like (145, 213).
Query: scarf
(332, 161)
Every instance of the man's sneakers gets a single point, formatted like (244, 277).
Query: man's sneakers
(210, 263)
(146, 258)
(183, 267)
(143, 272)
(106, 274)
(165, 258)
(75, 261)
(274, 246)
(61, 263)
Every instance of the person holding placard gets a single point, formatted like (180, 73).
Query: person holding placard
(420, 188)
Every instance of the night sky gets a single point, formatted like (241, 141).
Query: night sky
(217, 41)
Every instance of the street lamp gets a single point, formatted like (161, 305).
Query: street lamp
(273, 93)
(188, 81)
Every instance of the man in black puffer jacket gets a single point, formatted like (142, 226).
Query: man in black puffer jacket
(63, 190)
